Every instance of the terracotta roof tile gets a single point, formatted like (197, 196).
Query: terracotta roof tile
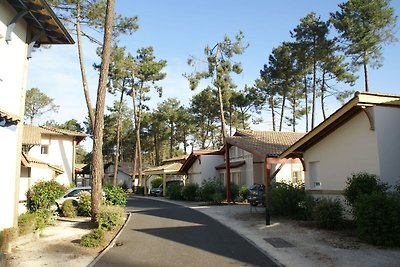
(9, 116)
(32, 134)
(264, 143)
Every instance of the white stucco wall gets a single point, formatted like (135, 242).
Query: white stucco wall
(208, 163)
(349, 149)
(13, 66)
(60, 153)
(387, 128)
(204, 168)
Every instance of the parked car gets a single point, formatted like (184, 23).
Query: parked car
(157, 191)
(72, 193)
(257, 194)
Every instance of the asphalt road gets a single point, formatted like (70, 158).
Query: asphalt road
(165, 234)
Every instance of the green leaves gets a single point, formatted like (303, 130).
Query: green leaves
(37, 104)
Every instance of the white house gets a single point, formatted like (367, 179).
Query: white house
(361, 136)
(253, 158)
(54, 147)
(23, 25)
(200, 165)
(124, 174)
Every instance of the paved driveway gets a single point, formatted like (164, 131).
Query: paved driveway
(165, 234)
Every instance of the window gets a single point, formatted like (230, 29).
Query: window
(314, 175)
(44, 149)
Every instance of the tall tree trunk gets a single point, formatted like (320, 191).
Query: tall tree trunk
(135, 152)
(272, 105)
(83, 68)
(366, 71)
(171, 139)
(222, 116)
(306, 100)
(97, 171)
(294, 115)
(282, 112)
(314, 94)
(323, 95)
(119, 128)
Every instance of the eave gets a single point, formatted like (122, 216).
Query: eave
(44, 25)
(359, 103)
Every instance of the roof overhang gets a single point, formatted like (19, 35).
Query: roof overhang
(357, 104)
(7, 118)
(44, 25)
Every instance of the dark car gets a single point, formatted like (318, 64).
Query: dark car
(257, 194)
(157, 191)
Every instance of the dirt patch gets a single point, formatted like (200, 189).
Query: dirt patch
(58, 245)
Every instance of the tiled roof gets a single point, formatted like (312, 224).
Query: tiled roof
(32, 134)
(264, 143)
(9, 116)
(168, 168)
(194, 156)
(28, 161)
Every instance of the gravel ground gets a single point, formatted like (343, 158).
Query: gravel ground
(305, 246)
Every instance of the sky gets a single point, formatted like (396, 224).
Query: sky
(178, 29)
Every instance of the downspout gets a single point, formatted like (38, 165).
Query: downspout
(267, 179)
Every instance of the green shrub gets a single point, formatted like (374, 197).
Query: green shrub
(69, 208)
(190, 192)
(212, 191)
(289, 200)
(115, 195)
(93, 239)
(174, 191)
(234, 192)
(85, 204)
(6, 237)
(377, 218)
(110, 217)
(44, 218)
(26, 223)
(156, 182)
(362, 183)
(244, 193)
(43, 194)
(328, 213)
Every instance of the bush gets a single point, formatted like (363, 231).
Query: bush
(212, 191)
(328, 213)
(362, 183)
(190, 192)
(43, 194)
(115, 195)
(6, 237)
(174, 191)
(377, 218)
(93, 239)
(85, 204)
(110, 217)
(44, 218)
(234, 192)
(26, 223)
(244, 193)
(69, 208)
(290, 200)
(156, 182)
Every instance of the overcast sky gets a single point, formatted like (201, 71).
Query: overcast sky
(178, 29)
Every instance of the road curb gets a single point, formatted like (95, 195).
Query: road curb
(112, 243)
